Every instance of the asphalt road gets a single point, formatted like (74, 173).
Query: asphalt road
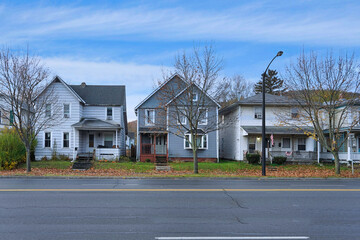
(173, 208)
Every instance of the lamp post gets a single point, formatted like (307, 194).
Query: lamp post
(263, 160)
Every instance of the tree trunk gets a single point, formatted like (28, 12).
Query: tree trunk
(337, 162)
(28, 166)
(196, 165)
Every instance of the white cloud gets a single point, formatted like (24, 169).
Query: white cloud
(255, 22)
(138, 79)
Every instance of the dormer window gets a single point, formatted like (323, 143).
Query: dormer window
(195, 97)
(258, 113)
(109, 113)
(66, 110)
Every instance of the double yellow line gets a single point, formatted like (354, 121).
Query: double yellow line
(179, 190)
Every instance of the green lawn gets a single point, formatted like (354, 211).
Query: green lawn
(49, 164)
(224, 166)
(135, 167)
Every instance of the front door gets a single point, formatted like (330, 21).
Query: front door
(160, 145)
(91, 142)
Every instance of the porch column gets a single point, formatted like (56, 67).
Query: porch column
(318, 152)
(116, 138)
(349, 149)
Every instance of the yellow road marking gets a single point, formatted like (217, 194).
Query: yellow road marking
(180, 190)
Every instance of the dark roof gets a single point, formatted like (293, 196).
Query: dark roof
(93, 123)
(256, 100)
(101, 94)
(277, 130)
(155, 129)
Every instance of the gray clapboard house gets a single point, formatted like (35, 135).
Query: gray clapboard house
(93, 120)
(157, 137)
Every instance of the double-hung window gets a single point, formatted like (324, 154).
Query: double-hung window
(181, 116)
(201, 141)
(252, 144)
(195, 97)
(286, 143)
(66, 140)
(203, 116)
(48, 110)
(301, 144)
(149, 117)
(47, 140)
(258, 112)
(66, 110)
(109, 113)
(294, 113)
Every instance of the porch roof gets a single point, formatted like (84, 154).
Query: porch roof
(93, 123)
(155, 129)
(277, 130)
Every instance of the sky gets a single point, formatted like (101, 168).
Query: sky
(132, 42)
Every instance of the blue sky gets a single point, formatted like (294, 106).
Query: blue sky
(130, 42)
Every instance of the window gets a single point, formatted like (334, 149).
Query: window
(201, 141)
(47, 140)
(66, 110)
(258, 112)
(0, 117)
(286, 143)
(195, 97)
(109, 113)
(48, 110)
(252, 144)
(108, 140)
(149, 117)
(66, 140)
(91, 140)
(301, 144)
(294, 113)
(223, 119)
(203, 116)
(182, 116)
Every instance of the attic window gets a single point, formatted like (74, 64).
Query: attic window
(258, 113)
(195, 97)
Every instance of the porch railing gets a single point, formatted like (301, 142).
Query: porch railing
(306, 155)
(147, 148)
(343, 156)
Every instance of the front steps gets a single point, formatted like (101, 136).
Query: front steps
(83, 162)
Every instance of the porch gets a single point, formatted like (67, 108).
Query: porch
(153, 146)
(98, 138)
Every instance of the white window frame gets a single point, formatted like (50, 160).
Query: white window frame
(64, 139)
(180, 115)
(206, 117)
(112, 136)
(69, 114)
(106, 113)
(282, 143)
(51, 140)
(202, 141)
(152, 121)
(256, 114)
(47, 111)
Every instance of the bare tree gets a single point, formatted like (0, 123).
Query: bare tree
(326, 90)
(22, 81)
(230, 90)
(186, 107)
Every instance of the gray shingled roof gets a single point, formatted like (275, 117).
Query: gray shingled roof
(256, 100)
(276, 130)
(93, 123)
(101, 94)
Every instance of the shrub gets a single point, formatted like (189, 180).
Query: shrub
(124, 159)
(44, 158)
(147, 160)
(279, 160)
(12, 150)
(253, 158)
(62, 157)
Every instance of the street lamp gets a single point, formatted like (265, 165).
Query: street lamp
(263, 117)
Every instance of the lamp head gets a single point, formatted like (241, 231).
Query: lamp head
(279, 53)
